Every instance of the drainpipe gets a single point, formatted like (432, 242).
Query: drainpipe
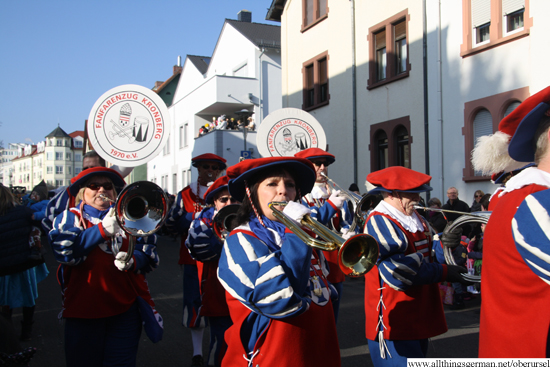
(261, 102)
(440, 66)
(354, 90)
(425, 82)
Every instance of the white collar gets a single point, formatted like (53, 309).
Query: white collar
(410, 222)
(319, 191)
(528, 176)
(202, 189)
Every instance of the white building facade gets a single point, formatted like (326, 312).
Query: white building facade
(243, 73)
(411, 83)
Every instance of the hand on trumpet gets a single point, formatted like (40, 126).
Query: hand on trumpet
(451, 239)
(296, 211)
(121, 264)
(346, 233)
(110, 224)
(454, 274)
(337, 199)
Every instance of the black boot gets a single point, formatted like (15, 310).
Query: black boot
(458, 302)
(6, 312)
(26, 324)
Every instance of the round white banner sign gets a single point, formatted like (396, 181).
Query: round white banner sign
(128, 125)
(287, 131)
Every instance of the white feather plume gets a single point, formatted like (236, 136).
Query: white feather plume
(490, 154)
(369, 186)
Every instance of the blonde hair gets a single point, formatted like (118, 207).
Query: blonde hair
(541, 139)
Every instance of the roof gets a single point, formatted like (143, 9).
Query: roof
(275, 10)
(261, 35)
(58, 133)
(200, 62)
(77, 133)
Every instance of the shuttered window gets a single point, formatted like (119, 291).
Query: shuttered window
(512, 106)
(481, 12)
(510, 6)
(483, 125)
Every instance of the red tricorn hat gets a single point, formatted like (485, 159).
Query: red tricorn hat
(83, 177)
(398, 178)
(301, 169)
(209, 157)
(217, 186)
(513, 145)
(315, 153)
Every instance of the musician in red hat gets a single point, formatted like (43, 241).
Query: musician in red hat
(513, 321)
(188, 203)
(205, 246)
(327, 207)
(403, 307)
(278, 295)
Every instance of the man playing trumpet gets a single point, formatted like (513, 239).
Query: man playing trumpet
(403, 307)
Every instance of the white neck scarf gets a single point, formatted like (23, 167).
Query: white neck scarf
(410, 222)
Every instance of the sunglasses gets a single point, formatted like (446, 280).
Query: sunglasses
(95, 186)
(479, 196)
(224, 199)
(214, 167)
(319, 163)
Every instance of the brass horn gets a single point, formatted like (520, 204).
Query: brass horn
(140, 209)
(356, 200)
(465, 218)
(356, 256)
(221, 223)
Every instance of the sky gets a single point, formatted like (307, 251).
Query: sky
(59, 56)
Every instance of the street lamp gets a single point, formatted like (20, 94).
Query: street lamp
(244, 114)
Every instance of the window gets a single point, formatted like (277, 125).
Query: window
(183, 135)
(390, 144)
(78, 143)
(315, 81)
(77, 170)
(58, 170)
(58, 156)
(78, 157)
(58, 183)
(68, 156)
(69, 170)
(166, 149)
(49, 156)
(313, 12)
(49, 170)
(490, 23)
(175, 182)
(388, 50)
(59, 142)
(481, 117)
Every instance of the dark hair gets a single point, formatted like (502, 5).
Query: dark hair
(485, 201)
(435, 201)
(246, 209)
(93, 154)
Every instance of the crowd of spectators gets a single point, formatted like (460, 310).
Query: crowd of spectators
(224, 123)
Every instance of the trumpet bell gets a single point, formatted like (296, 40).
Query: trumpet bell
(222, 221)
(141, 208)
(358, 255)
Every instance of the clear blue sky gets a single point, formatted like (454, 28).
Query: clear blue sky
(59, 56)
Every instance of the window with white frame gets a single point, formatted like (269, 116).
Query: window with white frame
(49, 156)
(183, 135)
(49, 170)
(68, 156)
(58, 156)
(58, 170)
(78, 157)
(481, 20)
(482, 125)
(512, 12)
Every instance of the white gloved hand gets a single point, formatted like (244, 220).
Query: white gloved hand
(337, 200)
(110, 224)
(121, 265)
(296, 211)
(346, 233)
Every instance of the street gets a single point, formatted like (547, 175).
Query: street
(461, 341)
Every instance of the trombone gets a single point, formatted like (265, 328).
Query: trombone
(356, 256)
(140, 209)
(356, 200)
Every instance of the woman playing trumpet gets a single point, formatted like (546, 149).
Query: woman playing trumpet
(105, 299)
(278, 295)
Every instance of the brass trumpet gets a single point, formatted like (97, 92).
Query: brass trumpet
(356, 256)
(221, 223)
(140, 209)
(356, 200)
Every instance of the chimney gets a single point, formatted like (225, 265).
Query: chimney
(245, 16)
(157, 84)
(178, 68)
